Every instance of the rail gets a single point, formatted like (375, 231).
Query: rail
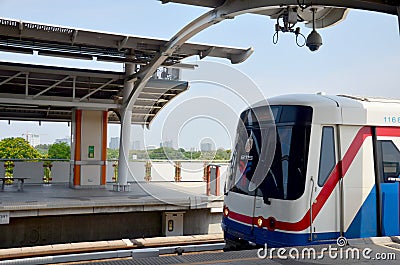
(84, 251)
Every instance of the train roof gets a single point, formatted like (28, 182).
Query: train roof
(345, 109)
(371, 99)
(338, 100)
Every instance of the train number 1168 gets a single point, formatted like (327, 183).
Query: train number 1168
(391, 119)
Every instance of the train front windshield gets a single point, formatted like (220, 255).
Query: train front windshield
(279, 171)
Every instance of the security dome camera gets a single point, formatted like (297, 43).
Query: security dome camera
(314, 41)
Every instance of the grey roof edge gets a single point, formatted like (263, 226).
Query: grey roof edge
(62, 35)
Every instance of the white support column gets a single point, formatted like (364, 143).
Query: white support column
(123, 161)
(125, 136)
(398, 16)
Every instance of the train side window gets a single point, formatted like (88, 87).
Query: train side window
(390, 160)
(327, 160)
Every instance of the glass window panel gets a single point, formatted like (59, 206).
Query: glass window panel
(327, 159)
(390, 159)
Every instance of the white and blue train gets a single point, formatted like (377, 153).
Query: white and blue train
(309, 168)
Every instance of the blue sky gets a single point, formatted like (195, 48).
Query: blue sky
(359, 56)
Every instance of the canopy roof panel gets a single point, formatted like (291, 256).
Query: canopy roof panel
(327, 12)
(385, 6)
(26, 37)
(34, 92)
(47, 93)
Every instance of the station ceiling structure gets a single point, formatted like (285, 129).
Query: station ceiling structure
(48, 93)
(314, 13)
(50, 40)
(142, 57)
(54, 90)
(383, 6)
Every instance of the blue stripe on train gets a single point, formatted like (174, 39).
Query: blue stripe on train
(390, 209)
(363, 225)
(234, 230)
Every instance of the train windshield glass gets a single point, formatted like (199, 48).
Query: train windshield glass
(279, 171)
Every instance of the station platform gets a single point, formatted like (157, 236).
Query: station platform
(51, 214)
(56, 199)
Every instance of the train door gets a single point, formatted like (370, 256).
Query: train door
(388, 159)
(371, 194)
(324, 197)
(360, 181)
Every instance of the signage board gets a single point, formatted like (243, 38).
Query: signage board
(4, 218)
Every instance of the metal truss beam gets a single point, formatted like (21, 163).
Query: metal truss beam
(26, 37)
(17, 67)
(97, 89)
(56, 101)
(27, 84)
(122, 43)
(10, 78)
(52, 86)
(74, 36)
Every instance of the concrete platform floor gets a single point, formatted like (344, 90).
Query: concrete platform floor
(57, 214)
(59, 199)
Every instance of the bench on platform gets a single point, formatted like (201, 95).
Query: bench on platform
(21, 181)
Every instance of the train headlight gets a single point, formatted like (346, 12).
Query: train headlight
(226, 211)
(260, 221)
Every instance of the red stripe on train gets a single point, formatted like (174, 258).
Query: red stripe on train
(340, 169)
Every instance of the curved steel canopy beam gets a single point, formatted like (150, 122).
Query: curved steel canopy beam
(206, 20)
(231, 9)
(398, 16)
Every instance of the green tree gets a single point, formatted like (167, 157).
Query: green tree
(222, 154)
(157, 154)
(181, 150)
(59, 151)
(112, 153)
(193, 155)
(164, 153)
(17, 148)
(43, 149)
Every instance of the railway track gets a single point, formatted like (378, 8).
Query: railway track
(143, 247)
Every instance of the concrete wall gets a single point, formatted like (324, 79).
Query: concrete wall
(45, 230)
(160, 171)
(32, 170)
(35, 171)
(165, 171)
(137, 171)
(60, 172)
(201, 222)
(109, 171)
(192, 171)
